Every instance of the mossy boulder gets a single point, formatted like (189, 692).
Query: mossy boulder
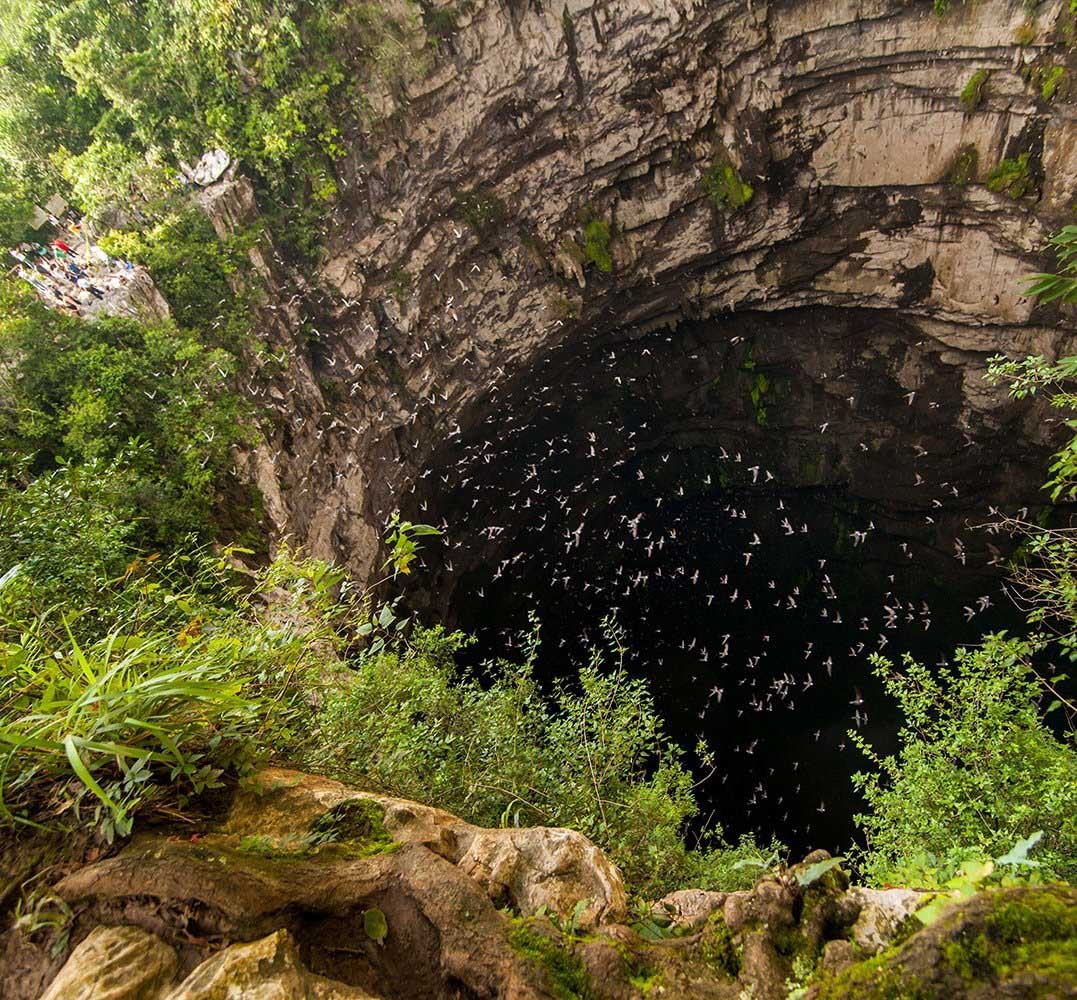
(1019, 942)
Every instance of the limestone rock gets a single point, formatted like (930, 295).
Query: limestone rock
(269, 969)
(691, 907)
(540, 867)
(882, 912)
(527, 868)
(115, 963)
(844, 117)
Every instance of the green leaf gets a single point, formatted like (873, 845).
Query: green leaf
(816, 871)
(374, 925)
(1018, 854)
(88, 779)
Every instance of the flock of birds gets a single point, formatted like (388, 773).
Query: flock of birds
(751, 605)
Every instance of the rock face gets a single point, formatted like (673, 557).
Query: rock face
(555, 174)
(309, 889)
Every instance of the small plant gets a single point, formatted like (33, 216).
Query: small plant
(726, 189)
(596, 244)
(973, 92)
(1060, 287)
(975, 873)
(1012, 177)
(1050, 78)
(483, 211)
(816, 871)
(962, 167)
(1026, 33)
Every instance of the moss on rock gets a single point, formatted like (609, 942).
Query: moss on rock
(1013, 942)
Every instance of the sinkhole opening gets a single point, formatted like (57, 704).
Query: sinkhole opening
(762, 500)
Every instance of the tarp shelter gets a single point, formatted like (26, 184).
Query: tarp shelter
(56, 206)
(38, 217)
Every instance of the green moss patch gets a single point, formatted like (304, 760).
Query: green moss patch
(351, 829)
(719, 947)
(961, 169)
(565, 974)
(972, 94)
(726, 189)
(1012, 177)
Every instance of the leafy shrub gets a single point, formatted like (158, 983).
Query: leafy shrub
(592, 756)
(191, 267)
(76, 391)
(977, 768)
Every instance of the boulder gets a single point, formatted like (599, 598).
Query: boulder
(882, 912)
(268, 969)
(115, 963)
(527, 868)
(691, 907)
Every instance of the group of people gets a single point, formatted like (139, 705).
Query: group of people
(71, 274)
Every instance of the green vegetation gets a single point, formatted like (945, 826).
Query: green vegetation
(495, 750)
(723, 184)
(1012, 177)
(153, 404)
(104, 99)
(962, 168)
(978, 767)
(1050, 79)
(1026, 935)
(973, 92)
(565, 973)
(596, 245)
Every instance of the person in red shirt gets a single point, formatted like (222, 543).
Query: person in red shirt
(63, 246)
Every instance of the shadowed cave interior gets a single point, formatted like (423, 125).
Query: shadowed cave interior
(762, 501)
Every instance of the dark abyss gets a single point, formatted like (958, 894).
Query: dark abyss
(763, 501)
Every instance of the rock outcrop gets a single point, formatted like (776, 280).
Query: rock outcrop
(457, 254)
(309, 889)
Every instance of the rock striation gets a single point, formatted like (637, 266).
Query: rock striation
(605, 170)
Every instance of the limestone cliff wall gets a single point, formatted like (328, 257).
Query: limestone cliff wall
(454, 256)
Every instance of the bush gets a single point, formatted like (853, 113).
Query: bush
(182, 683)
(76, 391)
(977, 767)
(592, 756)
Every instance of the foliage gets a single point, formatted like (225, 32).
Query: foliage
(75, 391)
(192, 268)
(1059, 287)
(975, 873)
(180, 680)
(1049, 80)
(596, 244)
(973, 92)
(723, 184)
(977, 767)
(1012, 177)
(139, 87)
(592, 756)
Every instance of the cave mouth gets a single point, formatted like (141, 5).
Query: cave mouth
(763, 500)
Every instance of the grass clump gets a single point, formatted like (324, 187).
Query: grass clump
(973, 92)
